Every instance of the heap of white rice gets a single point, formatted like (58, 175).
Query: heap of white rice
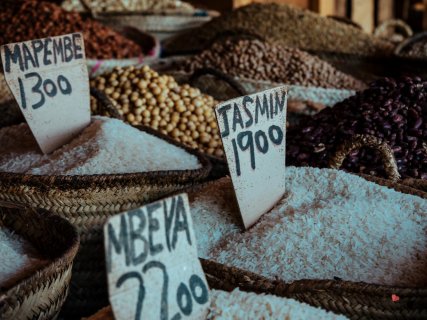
(18, 257)
(247, 305)
(329, 224)
(106, 146)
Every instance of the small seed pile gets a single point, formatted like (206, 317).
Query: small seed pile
(27, 20)
(106, 146)
(329, 224)
(143, 96)
(286, 25)
(258, 60)
(392, 110)
(127, 6)
(18, 258)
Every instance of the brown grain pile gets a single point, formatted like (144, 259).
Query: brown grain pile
(27, 20)
(258, 60)
(286, 25)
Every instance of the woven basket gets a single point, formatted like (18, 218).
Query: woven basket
(401, 48)
(41, 293)
(87, 201)
(362, 140)
(356, 300)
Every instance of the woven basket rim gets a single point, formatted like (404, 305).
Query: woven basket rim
(63, 259)
(106, 180)
(303, 285)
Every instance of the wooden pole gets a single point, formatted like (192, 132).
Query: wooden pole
(363, 13)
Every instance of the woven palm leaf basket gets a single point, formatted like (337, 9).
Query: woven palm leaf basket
(87, 201)
(357, 300)
(42, 290)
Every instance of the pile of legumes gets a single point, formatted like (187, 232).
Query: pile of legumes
(248, 305)
(106, 146)
(143, 96)
(258, 60)
(329, 224)
(28, 20)
(392, 110)
(286, 25)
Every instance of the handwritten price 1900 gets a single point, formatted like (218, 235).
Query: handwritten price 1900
(184, 295)
(44, 87)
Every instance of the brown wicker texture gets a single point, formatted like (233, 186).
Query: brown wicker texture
(359, 141)
(356, 300)
(41, 293)
(87, 201)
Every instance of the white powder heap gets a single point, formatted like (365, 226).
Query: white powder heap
(106, 146)
(247, 305)
(329, 224)
(18, 257)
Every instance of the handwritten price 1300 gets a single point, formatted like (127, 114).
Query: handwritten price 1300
(184, 296)
(44, 87)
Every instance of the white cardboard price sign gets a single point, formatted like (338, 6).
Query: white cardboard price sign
(49, 80)
(253, 132)
(152, 265)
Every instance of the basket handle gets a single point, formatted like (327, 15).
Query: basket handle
(397, 24)
(362, 140)
(409, 41)
(104, 104)
(220, 75)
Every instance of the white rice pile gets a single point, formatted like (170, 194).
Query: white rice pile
(106, 146)
(329, 224)
(247, 305)
(17, 257)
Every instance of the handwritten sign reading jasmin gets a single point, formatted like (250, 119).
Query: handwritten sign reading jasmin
(253, 132)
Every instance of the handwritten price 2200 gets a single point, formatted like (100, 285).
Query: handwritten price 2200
(44, 88)
(184, 295)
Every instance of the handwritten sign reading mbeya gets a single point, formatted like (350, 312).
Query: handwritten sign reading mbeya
(152, 265)
(49, 80)
(253, 132)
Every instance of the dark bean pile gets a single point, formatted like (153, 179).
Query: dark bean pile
(392, 110)
(27, 20)
(286, 25)
(258, 60)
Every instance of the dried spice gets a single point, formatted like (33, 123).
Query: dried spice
(417, 49)
(258, 60)
(391, 110)
(285, 25)
(28, 20)
(143, 96)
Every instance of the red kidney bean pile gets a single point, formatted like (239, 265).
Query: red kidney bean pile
(393, 110)
(27, 20)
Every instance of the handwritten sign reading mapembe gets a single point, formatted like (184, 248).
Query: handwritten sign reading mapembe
(49, 80)
(152, 265)
(253, 132)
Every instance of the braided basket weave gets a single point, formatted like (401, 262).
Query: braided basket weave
(356, 300)
(39, 294)
(87, 202)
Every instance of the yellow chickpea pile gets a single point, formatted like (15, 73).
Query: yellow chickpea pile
(143, 96)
